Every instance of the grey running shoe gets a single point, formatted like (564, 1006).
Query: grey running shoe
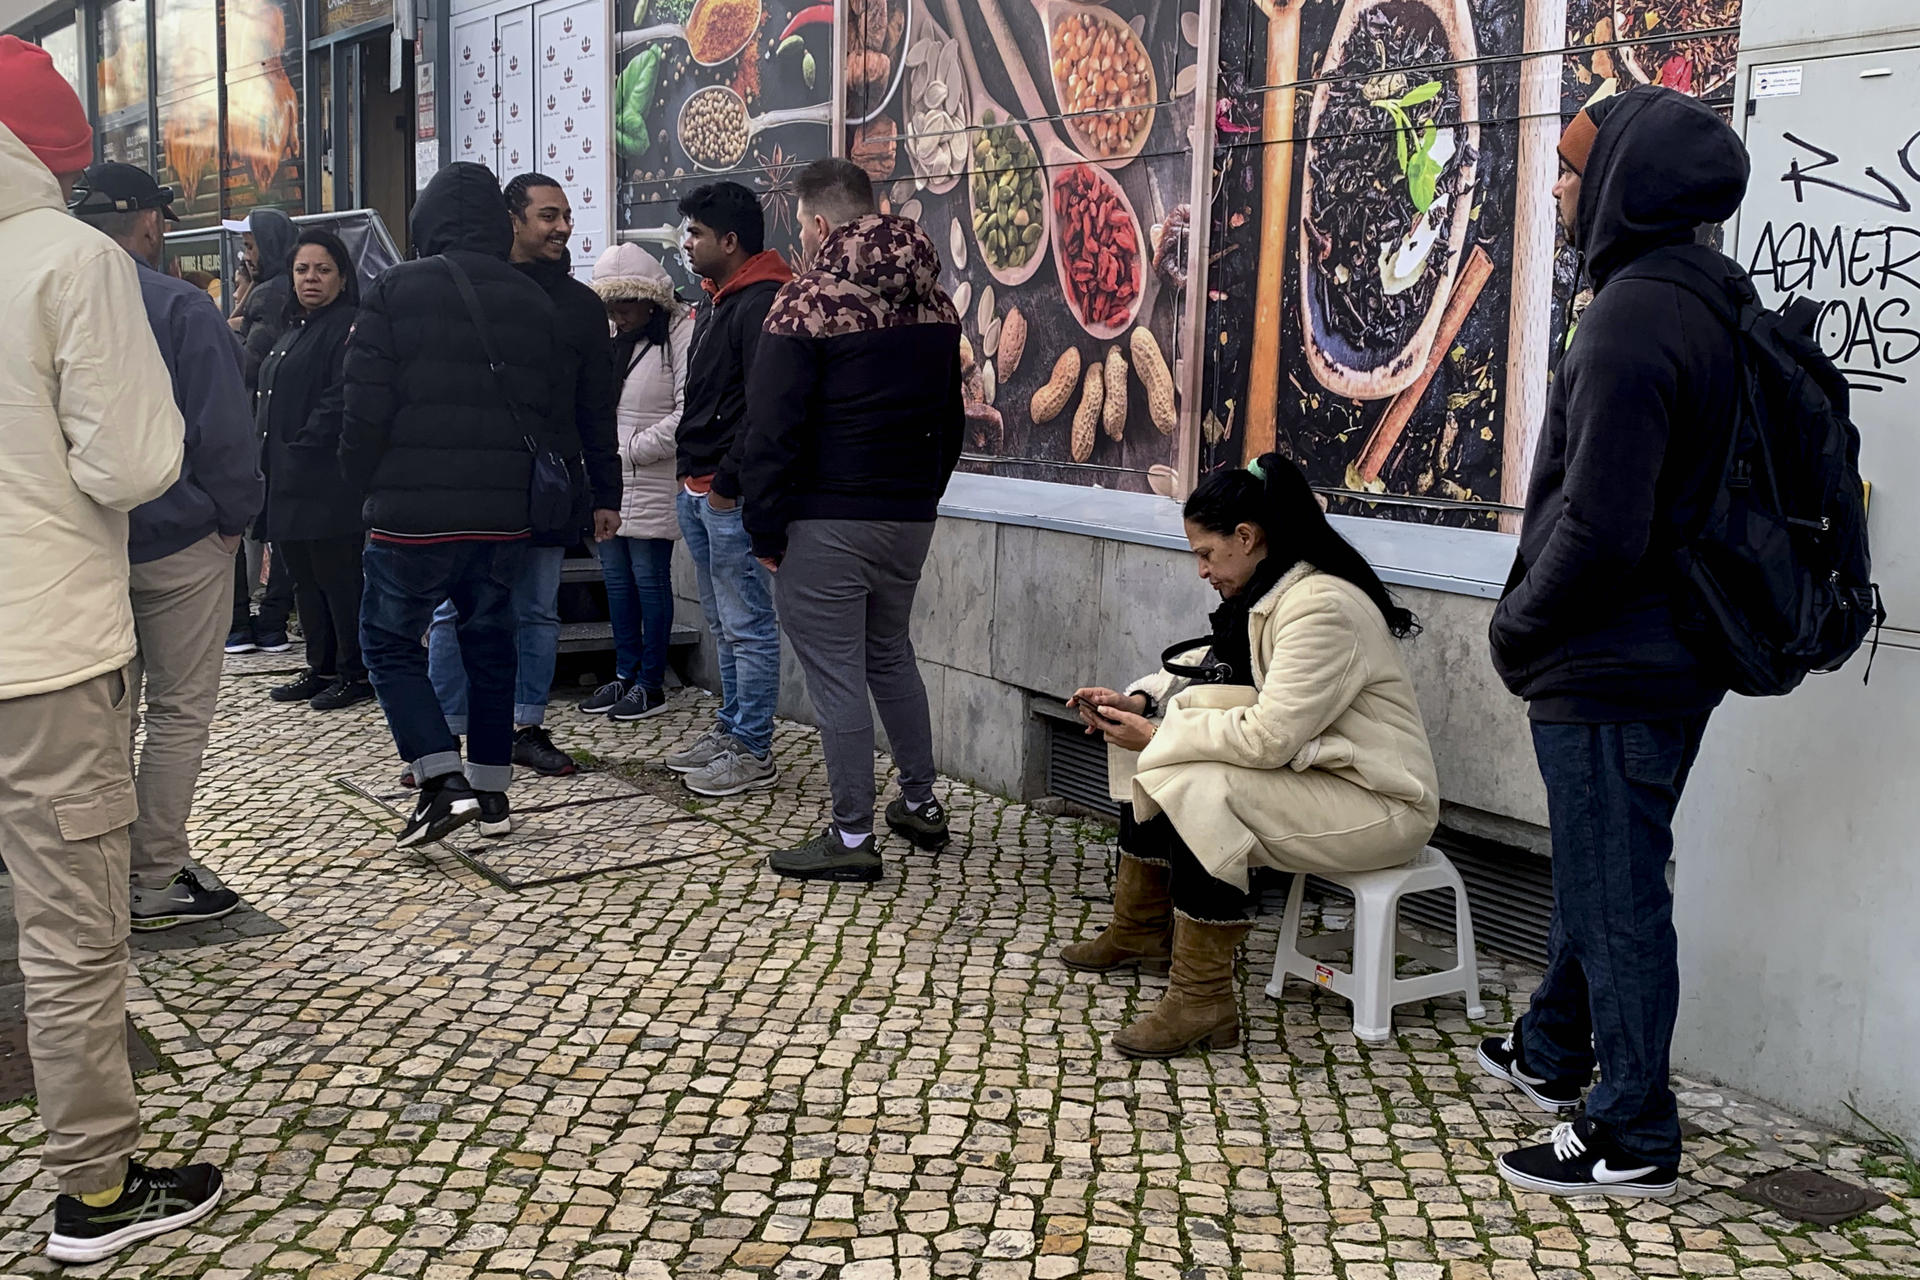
(827, 857)
(732, 771)
(705, 750)
(184, 901)
(924, 829)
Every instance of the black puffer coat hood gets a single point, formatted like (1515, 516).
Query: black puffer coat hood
(274, 236)
(462, 208)
(1662, 166)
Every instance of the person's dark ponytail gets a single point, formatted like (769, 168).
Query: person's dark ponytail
(1273, 494)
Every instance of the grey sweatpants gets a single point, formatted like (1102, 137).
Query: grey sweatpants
(845, 594)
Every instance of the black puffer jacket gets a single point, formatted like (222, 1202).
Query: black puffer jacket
(430, 436)
(302, 398)
(1640, 407)
(269, 304)
(586, 426)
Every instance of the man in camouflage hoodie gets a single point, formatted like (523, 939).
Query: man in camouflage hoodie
(854, 427)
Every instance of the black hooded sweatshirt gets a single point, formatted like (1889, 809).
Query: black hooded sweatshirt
(269, 303)
(1639, 412)
(586, 425)
(433, 438)
(302, 399)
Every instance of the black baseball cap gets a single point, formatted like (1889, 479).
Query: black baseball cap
(113, 187)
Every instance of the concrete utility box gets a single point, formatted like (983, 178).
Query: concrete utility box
(1798, 880)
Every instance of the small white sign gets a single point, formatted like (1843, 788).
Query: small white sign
(426, 163)
(1776, 82)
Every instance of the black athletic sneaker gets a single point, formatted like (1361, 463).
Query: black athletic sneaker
(153, 1202)
(826, 857)
(639, 704)
(924, 829)
(533, 748)
(240, 642)
(1501, 1058)
(273, 642)
(495, 818)
(301, 687)
(184, 901)
(342, 694)
(1581, 1159)
(446, 804)
(601, 700)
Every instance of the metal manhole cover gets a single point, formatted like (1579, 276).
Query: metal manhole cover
(1808, 1196)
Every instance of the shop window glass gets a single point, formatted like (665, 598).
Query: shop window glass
(63, 46)
(265, 164)
(120, 82)
(187, 70)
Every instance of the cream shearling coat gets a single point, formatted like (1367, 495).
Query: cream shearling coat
(1324, 766)
(88, 431)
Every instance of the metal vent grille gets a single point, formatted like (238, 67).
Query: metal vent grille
(1511, 891)
(1077, 766)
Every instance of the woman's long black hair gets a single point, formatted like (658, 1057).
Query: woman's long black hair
(1273, 495)
(342, 262)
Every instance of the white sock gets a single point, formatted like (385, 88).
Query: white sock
(918, 808)
(851, 840)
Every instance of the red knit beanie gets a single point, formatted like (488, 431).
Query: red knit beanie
(41, 108)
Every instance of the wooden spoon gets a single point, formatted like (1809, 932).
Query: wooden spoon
(1276, 198)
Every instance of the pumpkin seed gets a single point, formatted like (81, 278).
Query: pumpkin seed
(1190, 27)
(985, 315)
(989, 381)
(1187, 81)
(911, 210)
(962, 296)
(957, 243)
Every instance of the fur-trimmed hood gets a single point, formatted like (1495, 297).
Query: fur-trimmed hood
(628, 273)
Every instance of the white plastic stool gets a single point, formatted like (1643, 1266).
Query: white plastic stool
(1371, 985)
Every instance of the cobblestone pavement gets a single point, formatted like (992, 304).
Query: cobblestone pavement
(693, 1068)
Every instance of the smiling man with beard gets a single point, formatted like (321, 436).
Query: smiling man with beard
(586, 436)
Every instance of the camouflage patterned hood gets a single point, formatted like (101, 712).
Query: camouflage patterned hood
(875, 272)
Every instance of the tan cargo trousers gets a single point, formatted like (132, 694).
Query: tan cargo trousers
(182, 605)
(66, 799)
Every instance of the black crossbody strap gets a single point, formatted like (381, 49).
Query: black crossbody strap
(464, 284)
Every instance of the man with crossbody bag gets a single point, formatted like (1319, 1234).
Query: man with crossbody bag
(452, 388)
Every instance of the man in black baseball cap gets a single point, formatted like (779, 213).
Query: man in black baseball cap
(181, 547)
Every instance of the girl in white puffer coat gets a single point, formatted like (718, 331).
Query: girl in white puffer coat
(653, 333)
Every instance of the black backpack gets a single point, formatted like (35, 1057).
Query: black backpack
(1776, 560)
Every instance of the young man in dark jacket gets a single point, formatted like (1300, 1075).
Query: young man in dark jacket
(180, 546)
(542, 225)
(855, 426)
(435, 437)
(1588, 630)
(260, 315)
(726, 237)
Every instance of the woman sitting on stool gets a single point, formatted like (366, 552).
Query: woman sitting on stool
(1295, 744)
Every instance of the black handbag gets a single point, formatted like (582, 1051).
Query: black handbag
(550, 493)
(1209, 670)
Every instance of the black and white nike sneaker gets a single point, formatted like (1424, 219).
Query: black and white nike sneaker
(445, 805)
(153, 1202)
(1581, 1159)
(1500, 1057)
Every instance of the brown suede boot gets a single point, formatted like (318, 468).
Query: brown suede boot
(1142, 930)
(1199, 1007)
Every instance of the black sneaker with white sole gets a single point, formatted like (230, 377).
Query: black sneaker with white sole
(446, 804)
(924, 828)
(240, 642)
(1581, 1159)
(153, 1202)
(1500, 1057)
(496, 819)
(184, 901)
(639, 704)
(533, 749)
(601, 700)
(302, 687)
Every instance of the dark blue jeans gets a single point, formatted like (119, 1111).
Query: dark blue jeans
(403, 586)
(639, 575)
(1612, 987)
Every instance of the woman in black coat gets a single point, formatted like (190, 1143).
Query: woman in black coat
(313, 514)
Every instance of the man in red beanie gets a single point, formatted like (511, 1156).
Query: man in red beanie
(86, 409)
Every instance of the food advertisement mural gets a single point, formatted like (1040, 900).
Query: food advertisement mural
(710, 89)
(1387, 290)
(187, 76)
(263, 157)
(120, 82)
(1047, 149)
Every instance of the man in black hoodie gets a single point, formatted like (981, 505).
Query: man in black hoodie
(542, 225)
(436, 438)
(1588, 631)
(726, 243)
(262, 310)
(856, 422)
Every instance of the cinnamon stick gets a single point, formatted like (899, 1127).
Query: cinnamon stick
(1393, 423)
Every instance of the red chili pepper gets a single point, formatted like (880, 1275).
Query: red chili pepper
(807, 17)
